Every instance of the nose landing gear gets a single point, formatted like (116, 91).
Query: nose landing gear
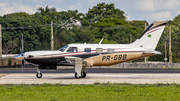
(39, 74)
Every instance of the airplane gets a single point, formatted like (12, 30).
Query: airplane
(85, 55)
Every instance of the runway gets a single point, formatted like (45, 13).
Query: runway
(92, 70)
(107, 75)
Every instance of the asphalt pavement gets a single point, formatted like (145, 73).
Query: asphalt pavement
(94, 75)
(93, 70)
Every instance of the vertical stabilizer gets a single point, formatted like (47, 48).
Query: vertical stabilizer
(150, 37)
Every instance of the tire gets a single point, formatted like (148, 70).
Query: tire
(83, 74)
(39, 75)
(76, 76)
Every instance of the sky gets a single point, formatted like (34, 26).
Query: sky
(149, 10)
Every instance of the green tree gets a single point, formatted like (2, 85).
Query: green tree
(102, 10)
(66, 21)
(83, 35)
(16, 24)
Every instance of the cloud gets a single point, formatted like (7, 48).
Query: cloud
(58, 9)
(76, 6)
(161, 16)
(6, 8)
(157, 16)
(148, 10)
(156, 5)
(1, 4)
(177, 12)
(38, 2)
(93, 2)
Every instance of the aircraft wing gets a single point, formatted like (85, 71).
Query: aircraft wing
(74, 60)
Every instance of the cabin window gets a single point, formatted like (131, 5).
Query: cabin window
(72, 49)
(110, 50)
(87, 49)
(99, 50)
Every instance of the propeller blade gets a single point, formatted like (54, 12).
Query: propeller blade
(22, 65)
(22, 44)
(20, 50)
(23, 49)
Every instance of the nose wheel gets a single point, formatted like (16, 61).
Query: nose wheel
(39, 74)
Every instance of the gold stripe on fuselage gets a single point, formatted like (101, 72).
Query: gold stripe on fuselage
(115, 58)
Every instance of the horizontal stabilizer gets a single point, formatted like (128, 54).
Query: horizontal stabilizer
(153, 52)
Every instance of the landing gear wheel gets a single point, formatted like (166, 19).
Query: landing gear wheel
(77, 76)
(83, 74)
(39, 75)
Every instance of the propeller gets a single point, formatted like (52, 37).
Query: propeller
(22, 53)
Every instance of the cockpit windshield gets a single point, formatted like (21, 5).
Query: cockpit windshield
(63, 48)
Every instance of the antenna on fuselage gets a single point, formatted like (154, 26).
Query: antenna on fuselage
(101, 40)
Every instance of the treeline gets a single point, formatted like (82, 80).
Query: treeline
(101, 21)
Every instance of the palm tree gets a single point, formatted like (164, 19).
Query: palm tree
(46, 11)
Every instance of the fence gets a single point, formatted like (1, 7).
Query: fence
(135, 65)
(146, 65)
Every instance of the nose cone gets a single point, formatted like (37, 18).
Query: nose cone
(20, 56)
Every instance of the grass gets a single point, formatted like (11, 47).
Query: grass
(95, 92)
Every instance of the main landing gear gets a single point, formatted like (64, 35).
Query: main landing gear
(83, 75)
